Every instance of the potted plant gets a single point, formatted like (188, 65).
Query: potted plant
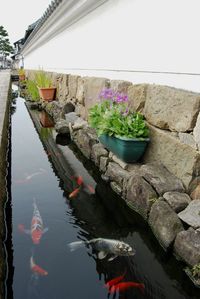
(32, 90)
(45, 86)
(121, 131)
(21, 74)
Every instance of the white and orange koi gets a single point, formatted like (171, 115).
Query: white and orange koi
(74, 193)
(37, 269)
(30, 176)
(37, 228)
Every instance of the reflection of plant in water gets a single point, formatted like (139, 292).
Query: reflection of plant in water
(45, 133)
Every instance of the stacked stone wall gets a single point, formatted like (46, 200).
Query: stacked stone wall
(172, 115)
(165, 187)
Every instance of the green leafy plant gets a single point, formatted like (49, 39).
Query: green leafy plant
(196, 270)
(112, 116)
(21, 72)
(42, 80)
(32, 90)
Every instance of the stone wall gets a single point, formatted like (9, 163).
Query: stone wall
(172, 115)
(165, 187)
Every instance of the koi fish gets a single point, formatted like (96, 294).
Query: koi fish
(106, 246)
(21, 228)
(37, 269)
(91, 189)
(79, 180)
(114, 281)
(74, 193)
(37, 228)
(123, 286)
(29, 177)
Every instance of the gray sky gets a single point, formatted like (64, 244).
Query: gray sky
(16, 15)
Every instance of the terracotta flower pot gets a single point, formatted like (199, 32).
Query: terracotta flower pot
(45, 120)
(22, 77)
(47, 94)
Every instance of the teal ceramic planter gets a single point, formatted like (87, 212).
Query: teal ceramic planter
(128, 150)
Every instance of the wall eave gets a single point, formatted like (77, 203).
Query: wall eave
(65, 14)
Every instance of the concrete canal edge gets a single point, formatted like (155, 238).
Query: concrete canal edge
(5, 101)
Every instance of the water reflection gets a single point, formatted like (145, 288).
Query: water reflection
(93, 212)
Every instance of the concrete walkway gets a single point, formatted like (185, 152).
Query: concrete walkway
(4, 125)
(4, 88)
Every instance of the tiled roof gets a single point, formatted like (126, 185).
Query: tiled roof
(50, 9)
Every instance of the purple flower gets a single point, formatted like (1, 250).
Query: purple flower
(115, 96)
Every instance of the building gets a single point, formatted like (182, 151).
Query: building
(135, 40)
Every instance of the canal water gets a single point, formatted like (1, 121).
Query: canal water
(43, 177)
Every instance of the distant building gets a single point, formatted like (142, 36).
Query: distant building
(136, 40)
(18, 45)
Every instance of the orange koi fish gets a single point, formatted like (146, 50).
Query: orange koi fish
(114, 281)
(91, 189)
(37, 269)
(37, 228)
(74, 193)
(123, 286)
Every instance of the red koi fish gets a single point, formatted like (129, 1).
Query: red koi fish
(114, 281)
(123, 286)
(74, 193)
(79, 180)
(37, 269)
(91, 189)
(37, 228)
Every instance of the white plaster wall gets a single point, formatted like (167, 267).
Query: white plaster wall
(122, 36)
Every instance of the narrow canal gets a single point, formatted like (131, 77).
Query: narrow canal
(51, 209)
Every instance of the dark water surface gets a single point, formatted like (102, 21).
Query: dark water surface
(78, 274)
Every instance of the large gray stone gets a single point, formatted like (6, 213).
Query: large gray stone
(93, 87)
(164, 223)
(158, 176)
(98, 151)
(187, 246)
(103, 163)
(80, 94)
(71, 117)
(171, 108)
(191, 215)
(120, 85)
(62, 87)
(177, 201)
(116, 173)
(187, 139)
(85, 139)
(196, 132)
(196, 193)
(62, 127)
(137, 96)
(180, 159)
(72, 85)
(139, 195)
